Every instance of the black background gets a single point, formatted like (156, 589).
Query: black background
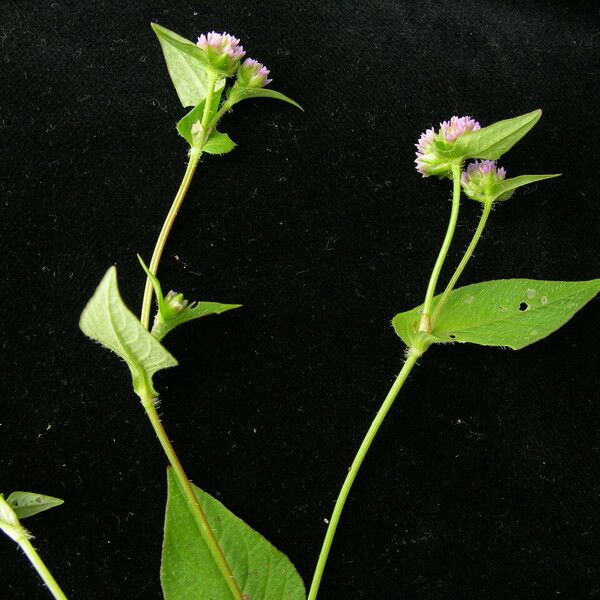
(483, 483)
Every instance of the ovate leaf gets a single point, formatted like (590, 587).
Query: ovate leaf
(493, 141)
(189, 571)
(218, 143)
(506, 312)
(238, 93)
(505, 188)
(107, 320)
(27, 504)
(188, 66)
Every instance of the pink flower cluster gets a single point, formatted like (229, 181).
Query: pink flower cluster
(221, 43)
(482, 168)
(428, 161)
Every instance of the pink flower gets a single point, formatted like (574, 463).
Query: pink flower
(224, 51)
(429, 161)
(253, 74)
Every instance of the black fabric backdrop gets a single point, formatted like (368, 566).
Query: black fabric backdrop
(483, 483)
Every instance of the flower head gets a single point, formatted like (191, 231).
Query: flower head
(481, 178)
(430, 160)
(253, 74)
(224, 51)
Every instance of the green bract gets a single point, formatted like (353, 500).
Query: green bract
(107, 320)
(493, 141)
(189, 572)
(505, 189)
(173, 309)
(511, 313)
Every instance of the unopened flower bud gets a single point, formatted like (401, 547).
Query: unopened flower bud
(253, 74)
(174, 303)
(224, 51)
(432, 145)
(480, 180)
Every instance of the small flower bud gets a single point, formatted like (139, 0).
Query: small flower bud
(431, 145)
(174, 303)
(480, 180)
(252, 74)
(224, 51)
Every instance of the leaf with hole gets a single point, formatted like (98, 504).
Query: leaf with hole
(238, 93)
(188, 66)
(188, 570)
(107, 320)
(27, 504)
(507, 312)
(493, 141)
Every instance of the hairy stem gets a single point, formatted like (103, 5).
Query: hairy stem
(164, 234)
(487, 206)
(425, 324)
(148, 402)
(206, 530)
(411, 360)
(41, 568)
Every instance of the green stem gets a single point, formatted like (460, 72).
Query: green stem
(411, 360)
(164, 234)
(425, 324)
(487, 206)
(206, 530)
(41, 568)
(148, 402)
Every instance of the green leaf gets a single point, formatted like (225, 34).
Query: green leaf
(9, 523)
(27, 504)
(188, 570)
(506, 312)
(493, 141)
(238, 93)
(107, 320)
(218, 143)
(504, 189)
(185, 125)
(175, 310)
(188, 66)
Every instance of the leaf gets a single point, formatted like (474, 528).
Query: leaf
(107, 320)
(27, 504)
(9, 523)
(184, 127)
(169, 317)
(218, 143)
(493, 141)
(238, 93)
(504, 312)
(188, 66)
(504, 189)
(188, 570)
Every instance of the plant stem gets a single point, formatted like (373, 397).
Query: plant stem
(487, 206)
(41, 568)
(425, 324)
(411, 360)
(201, 521)
(164, 234)
(148, 401)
